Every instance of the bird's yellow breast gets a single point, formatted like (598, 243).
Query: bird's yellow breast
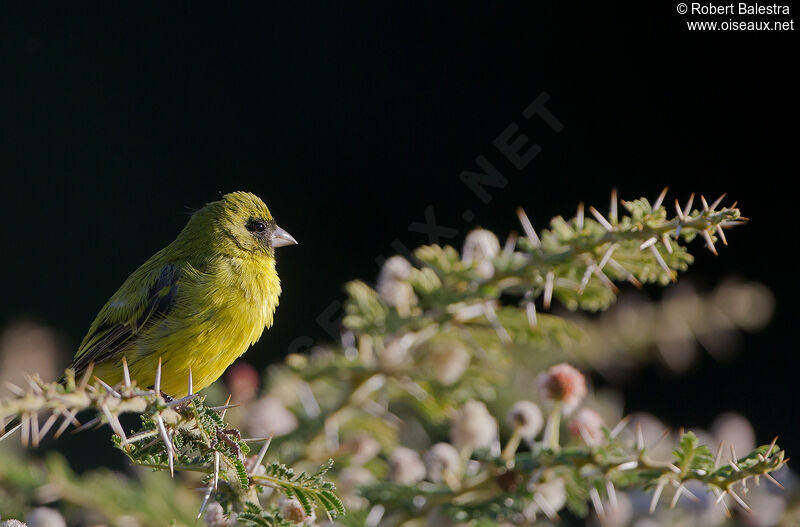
(218, 315)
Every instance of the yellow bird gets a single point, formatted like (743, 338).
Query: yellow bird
(196, 305)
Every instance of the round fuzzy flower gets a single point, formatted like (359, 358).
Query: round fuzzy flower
(526, 417)
(393, 286)
(563, 384)
(443, 463)
(481, 247)
(587, 425)
(292, 511)
(473, 427)
(269, 417)
(44, 517)
(406, 467)
(12, 523)
(449, 360)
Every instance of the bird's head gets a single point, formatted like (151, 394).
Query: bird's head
(241, 222)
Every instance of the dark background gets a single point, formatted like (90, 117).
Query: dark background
(349, 122)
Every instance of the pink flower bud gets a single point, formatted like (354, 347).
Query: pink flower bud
(563, 384)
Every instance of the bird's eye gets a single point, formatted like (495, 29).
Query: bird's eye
(256, 226)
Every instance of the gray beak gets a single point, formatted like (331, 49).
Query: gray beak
(281, 238)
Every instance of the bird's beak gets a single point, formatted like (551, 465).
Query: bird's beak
(281, 238)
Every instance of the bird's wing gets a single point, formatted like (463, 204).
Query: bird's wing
(146, 297)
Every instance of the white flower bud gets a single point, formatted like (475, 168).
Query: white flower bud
(292, 511)
(526, 417)
(481, 247)
(443, 463)
(449, 360)
(587, 425)
(269, 417)
(12, 523)
(44, 517)
(564, 384)
(406, 467)
(473, 427)
(393, 287)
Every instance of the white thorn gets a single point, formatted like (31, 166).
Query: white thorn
(666, 242)
(511, 243)
(108, 388)
(673, 468)
(647, 243)
(739, 500)
(530, 309)
(655, 443)
(717, 202)
(207, 496)
(69, 418)
(768, 453)
(612, 494)
(547, 509)
(612, 208)
(734, 457)
(688, 207)
(773, 480)
(157, 383)
(585, 279)
(115, 425)
(528, 228)
(628, 275)
(661, 262)
(597, 502)
(261, 454)
(660, 199)
(628, 465)
(600, 219)
(579, 217)
(721, 235)
(126, 374)
(607, 256)
(216, 470)
(657, 495)
(190, 387)
(548, 288)
(620, 426)
(709, 242)
(48, 424)
(491, 316)
(639, 437)
(16, 390)
(679, 210)
(719, 454)
(676, 497)
(167, 442)
(704, 202)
